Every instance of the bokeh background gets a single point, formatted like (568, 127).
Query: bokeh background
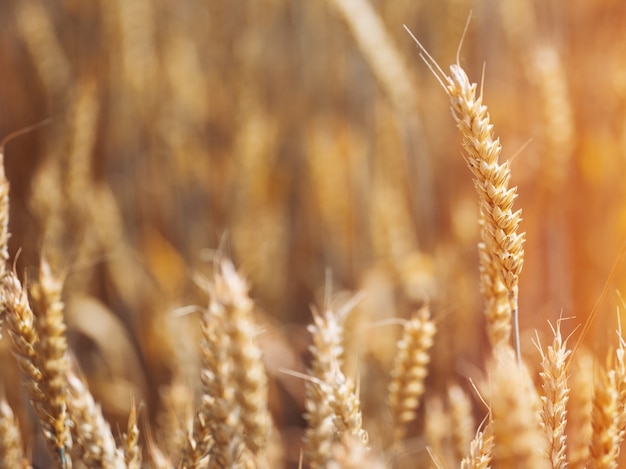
(308, 141)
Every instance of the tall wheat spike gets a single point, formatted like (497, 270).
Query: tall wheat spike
(501, 251)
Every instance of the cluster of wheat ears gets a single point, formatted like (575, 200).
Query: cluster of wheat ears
(566, 411)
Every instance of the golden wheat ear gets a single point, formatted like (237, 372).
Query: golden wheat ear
(42, 357)
(132, 451)
(333, 408)
(463, 425)
(501, 249)
(11, 444)
(515, 405)
(554, 397)
(608, 415)
(409, 371)
(233, 424)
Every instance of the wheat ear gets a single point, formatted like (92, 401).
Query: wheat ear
(349, 453)
(608, 416)
(233, 423)
(515, 405)
(11, 444)
(132, 451)
(331, 400)
(53, 357)
(580, 408)
(231, 291)
(604, 445)
(554, 397)
(463, 425)
(555, 394)
(219, 418)
(93, 442)
(409, 370)
(41, 373)
(501, 250)
(481, 449)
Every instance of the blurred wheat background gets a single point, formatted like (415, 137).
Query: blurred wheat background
(301, 138)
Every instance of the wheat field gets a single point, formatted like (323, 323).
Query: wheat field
(332, 234)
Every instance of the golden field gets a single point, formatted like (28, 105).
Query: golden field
(309, 143)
